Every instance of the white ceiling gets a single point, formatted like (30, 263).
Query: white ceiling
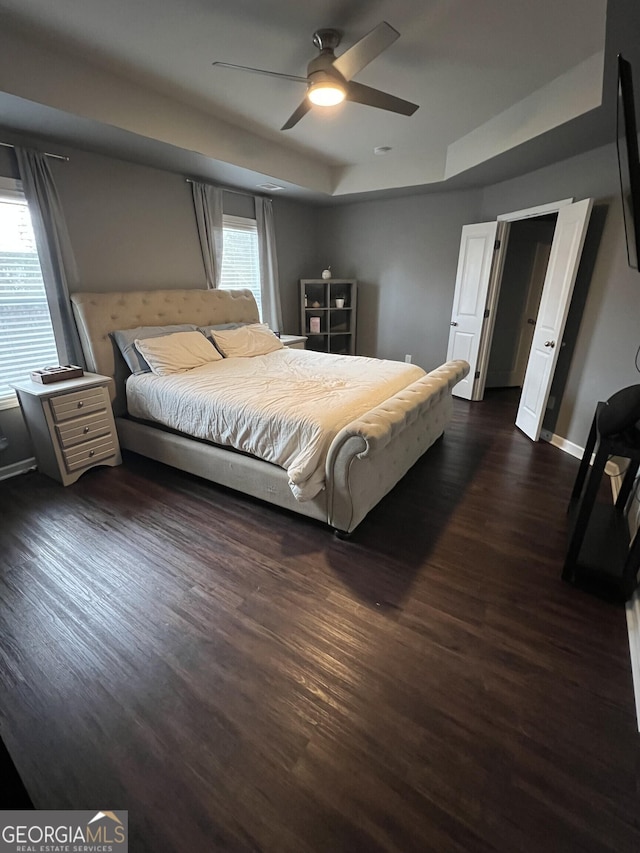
(488, 76)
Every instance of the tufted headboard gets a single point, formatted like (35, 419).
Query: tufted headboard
(97, 314)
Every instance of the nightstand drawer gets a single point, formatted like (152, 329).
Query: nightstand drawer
(85, 428)
(77, 403)
(89, 452)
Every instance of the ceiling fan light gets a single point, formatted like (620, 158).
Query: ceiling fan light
(326, 93)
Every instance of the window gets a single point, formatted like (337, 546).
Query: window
(240, 259)
(26, 334)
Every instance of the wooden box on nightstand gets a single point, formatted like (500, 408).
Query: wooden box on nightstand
(71, 425)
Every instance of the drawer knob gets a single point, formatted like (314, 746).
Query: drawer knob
(85, 430)
(80, 404)
(91, 452)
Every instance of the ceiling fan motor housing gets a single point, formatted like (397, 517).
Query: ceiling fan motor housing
(327, 39)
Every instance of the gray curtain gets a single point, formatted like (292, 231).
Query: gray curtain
(207, 202)
(54, 250)
(271, 310)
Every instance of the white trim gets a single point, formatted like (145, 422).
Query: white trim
(632, 609)
(612, 468)
(539, 210)
(563, 443)
(10, 401)
(16, 468)
(493, 295)
(241, 223)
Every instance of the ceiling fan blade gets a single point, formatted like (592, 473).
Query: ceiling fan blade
(364, 51)
(261, 71)
(295, 117)
(360, 94)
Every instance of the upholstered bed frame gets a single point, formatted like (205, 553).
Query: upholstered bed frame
(365, 460)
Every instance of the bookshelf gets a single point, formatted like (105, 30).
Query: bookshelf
(328, 311)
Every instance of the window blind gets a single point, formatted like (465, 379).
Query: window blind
(26, 334)
(240, 259)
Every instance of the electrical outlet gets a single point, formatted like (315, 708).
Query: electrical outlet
(407, 358)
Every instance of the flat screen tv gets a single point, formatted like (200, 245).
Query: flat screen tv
(628, 161)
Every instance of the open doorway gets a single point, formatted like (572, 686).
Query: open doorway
(481, 261)
(525, 267)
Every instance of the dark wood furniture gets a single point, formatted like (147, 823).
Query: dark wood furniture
(328, 310)
(600, 551)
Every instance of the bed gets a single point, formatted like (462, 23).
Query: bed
(363, 459)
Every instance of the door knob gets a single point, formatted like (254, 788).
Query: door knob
(453, 323)
(531, 321)
(550, 344)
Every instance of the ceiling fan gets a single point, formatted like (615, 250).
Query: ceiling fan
(329, 78)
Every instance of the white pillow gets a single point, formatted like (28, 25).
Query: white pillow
(247, 341)
(178, 352)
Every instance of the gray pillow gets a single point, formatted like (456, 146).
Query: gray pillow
(125, 338)
(221, 326)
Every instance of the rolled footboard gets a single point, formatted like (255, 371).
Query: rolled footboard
(371, 454)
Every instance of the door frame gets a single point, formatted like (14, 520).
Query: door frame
(532, 212)
(493, 292)
(564, 261)
(504, 223)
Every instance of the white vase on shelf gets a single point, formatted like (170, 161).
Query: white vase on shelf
(326, 273)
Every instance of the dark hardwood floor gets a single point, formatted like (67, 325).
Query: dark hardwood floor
(241, 680)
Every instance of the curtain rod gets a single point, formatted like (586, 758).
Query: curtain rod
(224, 189)
(46, 153)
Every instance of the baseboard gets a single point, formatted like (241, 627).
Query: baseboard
(16, 468)
(612, 467)
(632, 609)
(615, 468)
(563, 443)
(633, 605)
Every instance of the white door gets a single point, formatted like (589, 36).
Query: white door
(477, 248)
(566, 250)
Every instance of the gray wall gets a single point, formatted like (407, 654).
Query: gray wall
(296, 238)
(404, 253)
(131, 227)
(12, 425)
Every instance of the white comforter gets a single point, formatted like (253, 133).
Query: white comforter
(285, 407)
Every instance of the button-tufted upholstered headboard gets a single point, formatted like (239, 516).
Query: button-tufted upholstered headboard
(97, 314)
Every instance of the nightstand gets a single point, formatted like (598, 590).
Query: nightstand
(294, 341)
(71, 425)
